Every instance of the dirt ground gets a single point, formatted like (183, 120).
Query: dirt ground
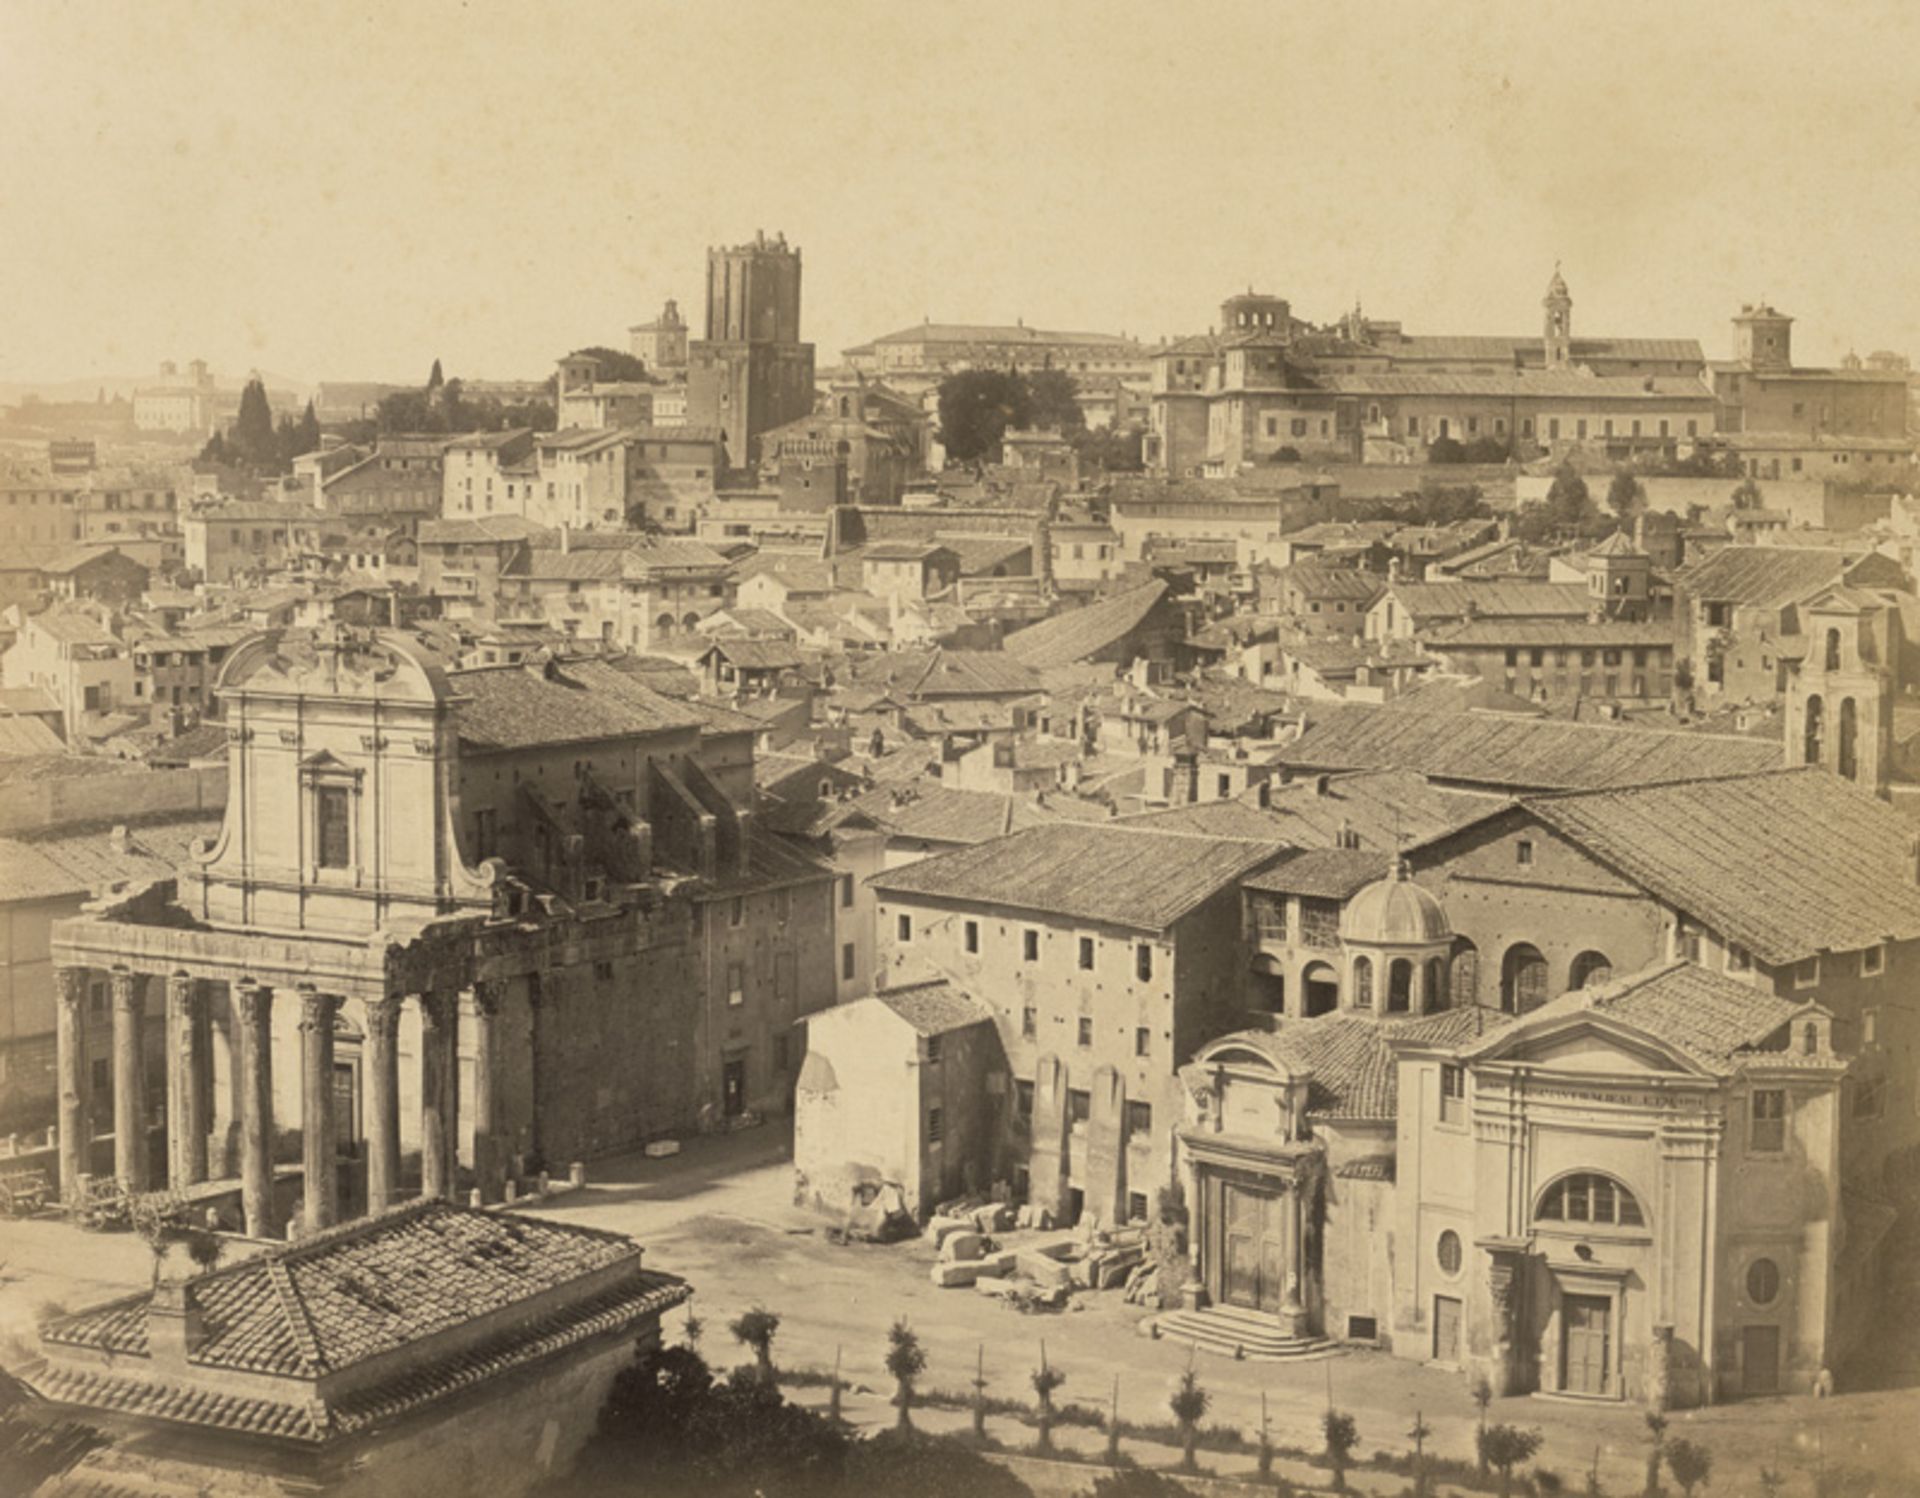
(721, 1214)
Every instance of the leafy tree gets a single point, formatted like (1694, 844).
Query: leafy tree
(1188, 1404)
(977, 406)
(1482, 1396)
(1045, 1380)
(1690, 1463)
(1657, 1434)
(1053, 402)
(1284, 454)
(1418, 1433)
(1109, 451)
(1488, 450)
(1505, 1447)
(754, 1329)
(906, 1361)
(614, 365)
(1337, 1428)
(1625, 495)
(1747, 495)
(897, 1461)
(252, 437)
(1569, 505)
(1138, 1482)
(435, 379)
(1446, 450)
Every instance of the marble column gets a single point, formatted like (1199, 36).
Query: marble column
(383, 1102)
(319, 1148)
(486, 1148)
(439, 1091)
(186, 1081)
(70, 1061)
(1293, 1313)
(253, 1008)
(130, 1079)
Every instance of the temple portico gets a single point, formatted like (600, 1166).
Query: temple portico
(263, 1036)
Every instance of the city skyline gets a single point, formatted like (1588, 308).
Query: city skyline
(326, 200)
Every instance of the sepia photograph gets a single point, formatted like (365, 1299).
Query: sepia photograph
(960, 749)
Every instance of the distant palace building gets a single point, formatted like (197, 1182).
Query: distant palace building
(916, 359)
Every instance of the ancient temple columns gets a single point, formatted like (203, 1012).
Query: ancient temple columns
(130, 1079)
(253, 1014)
(383, 1102)
(186, 1081)
(71, 1081)
(486, 1162)
(320, 1168)
(439, 1091)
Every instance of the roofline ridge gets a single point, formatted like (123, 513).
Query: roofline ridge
(294, 1307)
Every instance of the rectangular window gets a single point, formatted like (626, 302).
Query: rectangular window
(1767, 1125)
(903, 928)
(1028, 1022)
(1870, 1097)
(846, 961)
(846, 891)
(1453, 1093)
(1686, 939)
(1084, 1031)
(1139, 1123)
(1029, 946)
(1023, 1101)
(936, 1126)
(1806, 974)
(1079, 1105)
(332, 808)
(783, 905)
(1739, 959)
(737, 912)
(933, 1048)
(1142, 1041)
(1086, 954)
(736, 984)
(972, 936)
(1143, 961)
(1136, 1206)
(1869, 1027)
(1873, 962)
(1523, 852)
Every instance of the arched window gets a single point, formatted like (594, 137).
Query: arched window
(1833, 650)
(1590, 968)
(1847, 762)
(1523, 979)
(664, 624)
(1400, 986)
(1588, 1196)
(1363, 983)
(1464, 980)
(691, 620)
(1449, 1252)
(1320, 989)
(1436, 983)
(1815, 731)
(1763, 1282)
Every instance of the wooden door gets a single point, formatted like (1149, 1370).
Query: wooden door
(1255, 1249)
(733, 1086)
(1446, 1329)
(1587, 1341)
(1760, 1359)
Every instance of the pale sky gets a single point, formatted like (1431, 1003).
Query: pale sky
(346, 191)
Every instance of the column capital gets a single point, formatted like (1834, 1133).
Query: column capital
(383, 1013)
(129, 987)
(186, 992)
(253, 998)
(317, 1009)
(72, 984)
(440, 1006)
(488, 994)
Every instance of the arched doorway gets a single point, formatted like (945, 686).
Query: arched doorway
(1847, 762)
(1321, 987)
(663, 626)
(1588, 969)
(1463, 985)
(1815, 732)
(1523, 979)
(1363, 983)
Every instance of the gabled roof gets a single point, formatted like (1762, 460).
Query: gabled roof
(1507, 751)
(28, 736)
(1083, 632)
(911, 675)
(1106, 871)
(1764, 576)
(1322, 873)
(483, 528)
(518, 707)
(1709, 1020)
(1786, 864)
(935, 1007)
(1490, 599)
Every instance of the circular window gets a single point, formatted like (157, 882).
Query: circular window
(1450, 1251)
(1763, 1281)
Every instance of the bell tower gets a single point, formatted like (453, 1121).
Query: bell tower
(1839, 698)
(1558, 334)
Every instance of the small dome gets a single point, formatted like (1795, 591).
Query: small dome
(1394, 912)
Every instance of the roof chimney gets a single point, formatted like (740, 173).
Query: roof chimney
(174, 1328)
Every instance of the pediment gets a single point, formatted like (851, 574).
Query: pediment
(1589, 1043)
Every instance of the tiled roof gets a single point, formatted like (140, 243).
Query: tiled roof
(73, 625)
(1322, 873)
(756, 655)
(1504, 750)
(1319, 580)
(552, 564)
(667, 554)
(1083, 632)
(942, 814)
(1712, 1019)
(1611, 633)
(1355, 1074)
(1765, 576)
(979, 555)
(771, 863)
(965, 333)
(1571, 385)
(517, 707)
(481, 529)
(1459, 599)
(1786, 864)
(26, 736)
(935, 1007)
(914, 674)
(1377, 807)
(1126, 875)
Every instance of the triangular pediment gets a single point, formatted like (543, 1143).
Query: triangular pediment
(325, 759)
(1588, 1042)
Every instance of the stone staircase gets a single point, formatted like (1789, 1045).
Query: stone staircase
(1234, 1333)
